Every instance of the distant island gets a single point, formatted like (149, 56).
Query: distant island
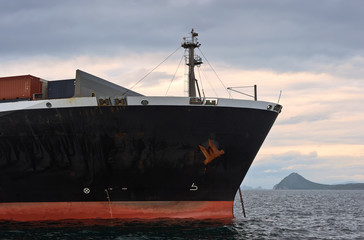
(294, 181)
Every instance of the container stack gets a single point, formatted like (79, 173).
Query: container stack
(28, 87)
(24, 87)
(61, 89)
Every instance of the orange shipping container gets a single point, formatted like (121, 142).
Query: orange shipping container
(20, 87)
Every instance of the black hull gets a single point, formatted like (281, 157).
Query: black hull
(127, 153)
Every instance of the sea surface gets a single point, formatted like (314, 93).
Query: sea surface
(270, 214)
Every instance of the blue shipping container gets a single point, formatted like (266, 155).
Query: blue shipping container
(61, 88)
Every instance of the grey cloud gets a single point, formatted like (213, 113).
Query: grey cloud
(280, 35)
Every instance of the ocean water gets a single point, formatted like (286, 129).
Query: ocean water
(271, 214)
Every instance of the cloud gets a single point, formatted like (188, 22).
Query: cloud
(126, 70)
(280, 35)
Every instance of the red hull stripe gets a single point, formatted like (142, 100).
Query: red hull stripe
(105, 210)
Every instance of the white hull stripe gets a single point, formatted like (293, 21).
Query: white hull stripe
(133, 101)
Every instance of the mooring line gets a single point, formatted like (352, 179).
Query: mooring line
(242, 202)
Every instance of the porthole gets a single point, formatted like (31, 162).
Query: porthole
(49, 105)
(144, 102)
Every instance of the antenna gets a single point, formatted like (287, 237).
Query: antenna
(192, 61)
(280, 93)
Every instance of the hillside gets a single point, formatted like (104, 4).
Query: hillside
(296, 181)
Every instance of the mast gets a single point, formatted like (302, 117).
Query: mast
(192, 61)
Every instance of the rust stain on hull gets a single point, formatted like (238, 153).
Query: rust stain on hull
(211, 152)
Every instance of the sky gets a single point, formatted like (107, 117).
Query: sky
(312, 52)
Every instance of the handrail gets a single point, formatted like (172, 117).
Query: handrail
(255, 96)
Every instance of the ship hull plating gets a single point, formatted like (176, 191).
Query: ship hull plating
(38, 211)
(126, 161)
